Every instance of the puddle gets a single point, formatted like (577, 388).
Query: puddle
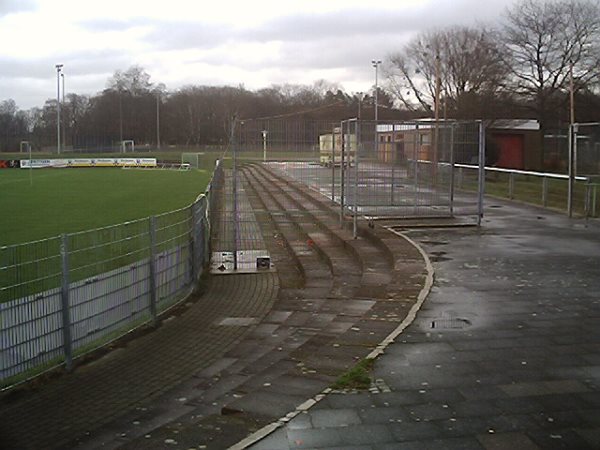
(434, 242)
(438, 257)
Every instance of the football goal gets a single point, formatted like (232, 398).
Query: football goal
(193, 160)
(127, 146)
(24, 147)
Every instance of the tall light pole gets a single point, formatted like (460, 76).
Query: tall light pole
(375, 64)
(64, 125)
(359, 94)
(58, 70)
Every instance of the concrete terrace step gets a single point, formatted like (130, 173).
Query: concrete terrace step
(372, 259)
(384, 257)
(308, 262)
(344, 271)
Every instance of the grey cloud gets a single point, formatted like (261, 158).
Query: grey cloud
(111, 24)
(348, 24)
(14, 6)
(369, 22)
(177, 35)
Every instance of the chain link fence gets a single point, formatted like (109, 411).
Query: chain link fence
(65, 296)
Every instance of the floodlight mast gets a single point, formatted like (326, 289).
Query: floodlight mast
(376, 64)
(64, 125)
(58, 70)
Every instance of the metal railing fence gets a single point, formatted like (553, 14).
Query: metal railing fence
(64, 296)
(549, 190)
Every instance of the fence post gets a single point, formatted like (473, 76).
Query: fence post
(481, 179)
(194, 242)
(452, 163)
(153, 308)
(588, 199)
(416, 149)
(511, 185)
(332, 164)
(65, 307)
(572, 170)
(545, 192)
(356, 156)
(342, 175)
(206, 230)
(392, 148)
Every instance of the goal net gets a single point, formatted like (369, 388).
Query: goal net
(127, 146)
(192, 159)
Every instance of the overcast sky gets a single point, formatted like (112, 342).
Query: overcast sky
(256, 43)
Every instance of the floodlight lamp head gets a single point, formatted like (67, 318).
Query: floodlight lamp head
(59, 67)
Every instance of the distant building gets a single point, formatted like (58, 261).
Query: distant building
(516, 144)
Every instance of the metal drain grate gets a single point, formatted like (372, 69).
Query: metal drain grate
(451, 323)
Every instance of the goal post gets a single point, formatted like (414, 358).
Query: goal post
(24, 147)
(127, 146)
(192, 159)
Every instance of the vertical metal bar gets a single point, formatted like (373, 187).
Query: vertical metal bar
(451, 169)
(152, 271)
(356, 162)
(575, 144)
(511, 185)
(65, 306)
(588, 199)
(571, 174)
(481, 183)
(393, 159)
(333, 166)
(195, 242)
(235, 193)
(342, 176)
(416, 167)
(545, 191)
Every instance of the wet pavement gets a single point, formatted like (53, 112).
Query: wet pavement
(504, 353)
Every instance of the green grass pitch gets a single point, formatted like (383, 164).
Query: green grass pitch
(41, 203)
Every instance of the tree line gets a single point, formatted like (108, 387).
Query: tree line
(523, 68)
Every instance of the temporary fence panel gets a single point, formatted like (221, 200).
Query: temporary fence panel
(378, 169)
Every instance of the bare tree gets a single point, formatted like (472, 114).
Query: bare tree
(542, 39)
(135, 81)
(468, 62)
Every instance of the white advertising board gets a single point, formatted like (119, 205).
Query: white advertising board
(88, 162)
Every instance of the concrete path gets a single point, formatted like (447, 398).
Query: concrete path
(504, 354)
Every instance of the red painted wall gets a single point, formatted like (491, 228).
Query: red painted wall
(511, 150)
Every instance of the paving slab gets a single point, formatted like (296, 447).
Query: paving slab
(503, 354)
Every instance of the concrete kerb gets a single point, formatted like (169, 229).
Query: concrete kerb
(389, 339)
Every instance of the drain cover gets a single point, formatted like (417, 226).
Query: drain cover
(451, 323)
